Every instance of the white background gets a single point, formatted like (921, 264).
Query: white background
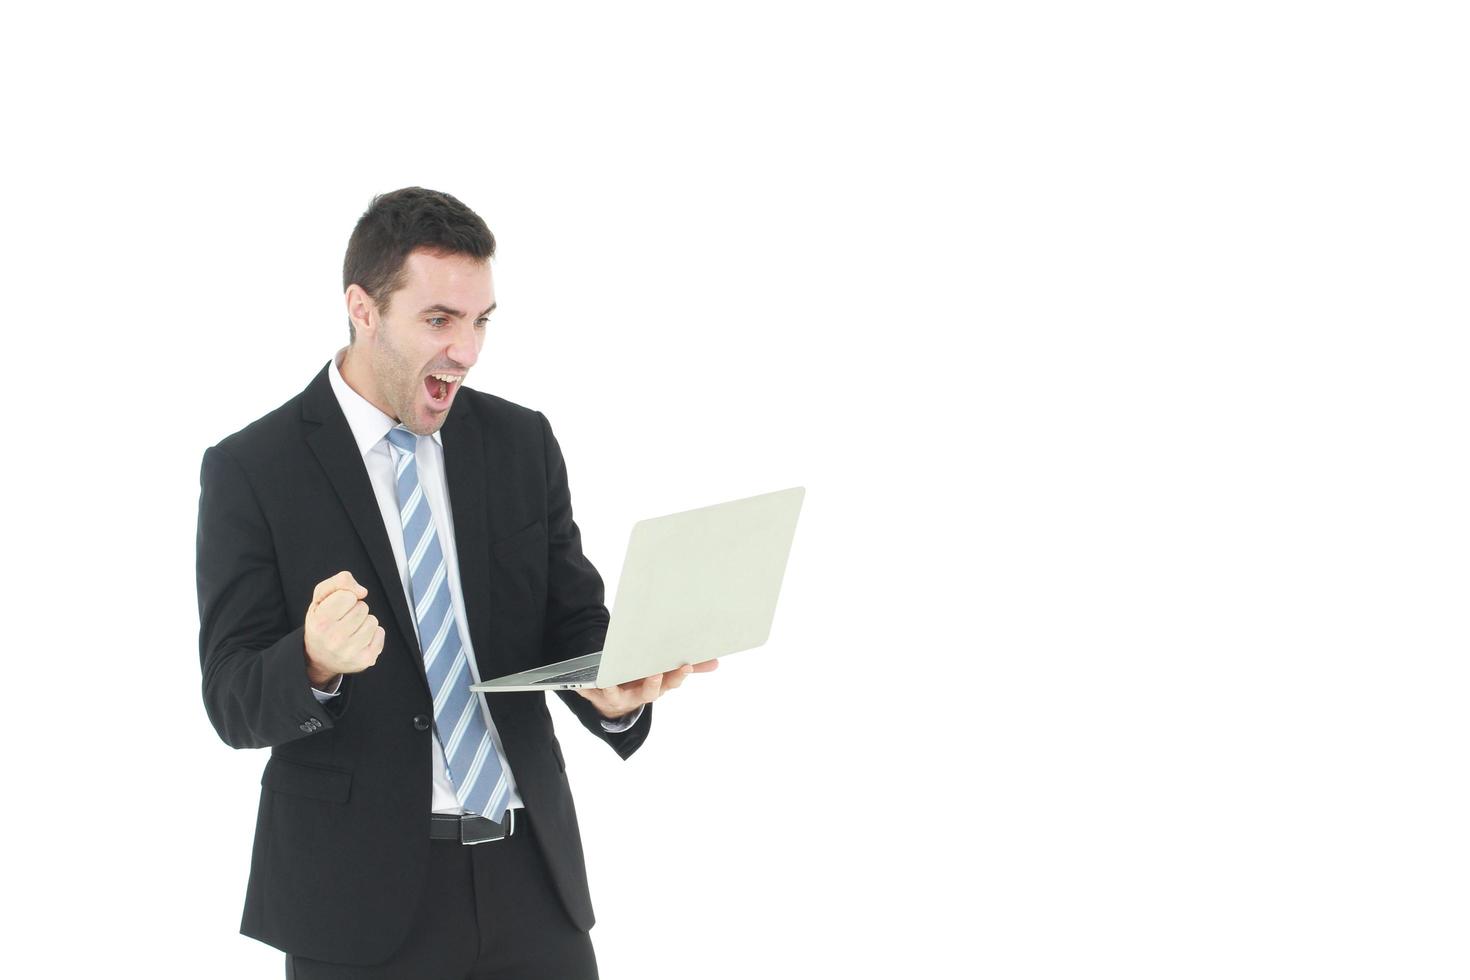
(1121, 348)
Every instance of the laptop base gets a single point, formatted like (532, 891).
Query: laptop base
(552, 677)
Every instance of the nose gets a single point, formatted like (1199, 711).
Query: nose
(464, 346)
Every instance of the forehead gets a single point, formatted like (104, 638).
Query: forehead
(431, 277)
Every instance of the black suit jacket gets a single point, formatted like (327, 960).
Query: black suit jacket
(341, 840)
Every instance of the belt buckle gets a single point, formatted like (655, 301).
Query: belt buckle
(475, 829)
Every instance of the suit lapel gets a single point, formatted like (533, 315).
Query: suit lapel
(330, 438)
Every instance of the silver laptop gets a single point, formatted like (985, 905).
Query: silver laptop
(695, 585)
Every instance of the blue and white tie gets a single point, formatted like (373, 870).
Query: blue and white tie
(474, 766)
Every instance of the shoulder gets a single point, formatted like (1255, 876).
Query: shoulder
(263, 440)
(504, 420)
(488, 408)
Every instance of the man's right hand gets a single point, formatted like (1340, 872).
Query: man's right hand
(341, 637)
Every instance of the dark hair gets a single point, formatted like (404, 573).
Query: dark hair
(397, 223)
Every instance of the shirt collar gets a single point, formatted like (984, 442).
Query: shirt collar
(368, 424)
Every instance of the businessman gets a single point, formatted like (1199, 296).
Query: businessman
(365, 552)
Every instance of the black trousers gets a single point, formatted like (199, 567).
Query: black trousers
(490, 912)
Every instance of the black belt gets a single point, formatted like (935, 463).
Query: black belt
(470, 828)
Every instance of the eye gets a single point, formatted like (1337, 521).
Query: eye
(484, 321)
(438, 321)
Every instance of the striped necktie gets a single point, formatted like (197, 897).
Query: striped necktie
(474, 765)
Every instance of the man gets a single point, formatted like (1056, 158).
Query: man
(366, 551)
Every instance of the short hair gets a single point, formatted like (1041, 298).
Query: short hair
(397, 223)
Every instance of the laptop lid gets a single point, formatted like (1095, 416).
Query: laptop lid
(699, 584)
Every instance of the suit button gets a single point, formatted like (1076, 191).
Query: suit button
(306, 727)
(421, 723)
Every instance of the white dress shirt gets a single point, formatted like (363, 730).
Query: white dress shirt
(370, 430)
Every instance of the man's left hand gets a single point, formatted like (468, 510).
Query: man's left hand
(615, 702)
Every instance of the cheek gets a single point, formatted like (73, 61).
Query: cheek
(408, 375)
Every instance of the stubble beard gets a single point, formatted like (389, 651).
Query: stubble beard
(400, 390)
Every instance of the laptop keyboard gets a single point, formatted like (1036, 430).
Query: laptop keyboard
(574, 676)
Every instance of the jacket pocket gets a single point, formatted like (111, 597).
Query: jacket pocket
(295, 779)
(519, 576)
(534, 531)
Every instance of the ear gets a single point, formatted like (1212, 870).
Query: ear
(362, 310)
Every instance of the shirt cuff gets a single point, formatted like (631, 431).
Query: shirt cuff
(616, 725)
(322, 696)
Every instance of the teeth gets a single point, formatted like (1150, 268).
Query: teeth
(450, 378)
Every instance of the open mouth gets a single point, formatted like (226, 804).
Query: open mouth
(440, 390)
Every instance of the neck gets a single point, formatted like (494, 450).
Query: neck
(359, 378)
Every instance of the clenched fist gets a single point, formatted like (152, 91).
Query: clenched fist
(341, 637)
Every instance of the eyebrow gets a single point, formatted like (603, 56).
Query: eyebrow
(441, 308)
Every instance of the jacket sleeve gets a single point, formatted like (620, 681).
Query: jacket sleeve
(251, 645)
(576, 618)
